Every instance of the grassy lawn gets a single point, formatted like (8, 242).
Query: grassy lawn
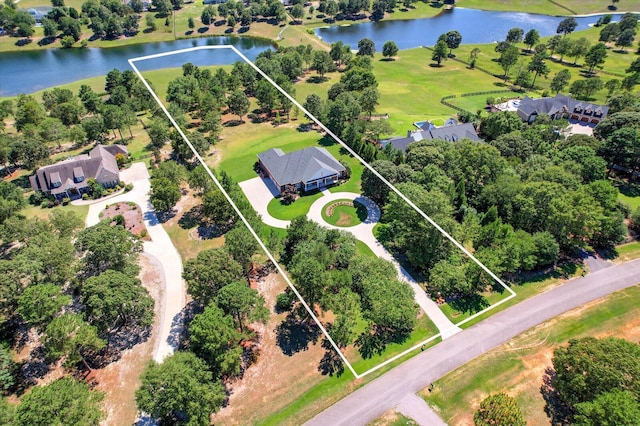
(628, 194)
(392, 418)
(345, 213)
(626, 252)
(558, 7)
(517, 367)
(528, 286)
(40, 213)
(297, 208)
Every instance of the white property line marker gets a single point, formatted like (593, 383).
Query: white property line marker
(355, 155)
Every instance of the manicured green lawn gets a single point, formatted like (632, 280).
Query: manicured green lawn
(558, 7)
(40, 213)
(299, 207)
(629, 194)
(518, 366)
(626, 252)
(343, 214)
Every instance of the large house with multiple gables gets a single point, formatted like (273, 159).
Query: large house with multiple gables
(561, 106)
(69, 178)
(452, 131)
(306, 169)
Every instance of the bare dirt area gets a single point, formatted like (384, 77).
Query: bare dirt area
(119, 380)
(132, 215)
(184, 226)
(276, 379)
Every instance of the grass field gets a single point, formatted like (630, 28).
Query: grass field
(546, 7)
(40, 213)
(517, 367)
(349, 214)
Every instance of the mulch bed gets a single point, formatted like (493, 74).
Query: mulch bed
(132, 214)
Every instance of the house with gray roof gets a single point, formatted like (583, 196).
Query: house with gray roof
(561, 106)
(451, 132)
(69, 178)
(305, 169)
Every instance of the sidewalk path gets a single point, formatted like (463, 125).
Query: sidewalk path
(416, 408)
(260, 191)
(161, 248)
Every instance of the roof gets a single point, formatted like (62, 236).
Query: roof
(451, 133)
(100, 163)
(300, 166)
(558, 103)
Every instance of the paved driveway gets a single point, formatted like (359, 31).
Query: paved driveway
(161, 248)
(260, 191)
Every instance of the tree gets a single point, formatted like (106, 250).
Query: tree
(366, 47)
(531, 38)
(217, 209)
(215, 339)
(208, 272)
(499, 409)
(38, 304)
(439, 52)
(567, 26)
(297, 12)
(389, 50)
(191, 23)
(8, 369)
(538, 65)
(181, 390)
(70, 337)
(162, 7)
(589, 367)
(389, 305)
(369, 99)
(560, 80)
(514, 35)
(114, 300)
(322, 62)
(108, 247)
(626, 38)
(508, 58)
(65, 401)
(207, 15)
(242, 303)
(241, 245)
(617, 407)
(500, 123)
(314, 105)
(238, 103)
(453, 40)
(164, 194)
(595, 56)
(11, 200)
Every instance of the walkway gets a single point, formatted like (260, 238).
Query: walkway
(161, 248)
(260, 191)
(389, 390)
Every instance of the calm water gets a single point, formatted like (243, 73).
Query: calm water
(29, 71)
(475, 26)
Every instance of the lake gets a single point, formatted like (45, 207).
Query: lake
(475, 26)
(30, 71)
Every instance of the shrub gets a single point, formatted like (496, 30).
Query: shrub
(85, 196)
(128, 187)
(65, 201)
(143, 233)
(284, 301)
(491, 100)
(67, 41)
(36, 198)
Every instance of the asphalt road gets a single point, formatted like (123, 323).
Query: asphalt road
(389, 390)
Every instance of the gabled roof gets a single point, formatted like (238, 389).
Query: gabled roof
(557, 104)
(99, 164)
(300, 166)
(451, 133)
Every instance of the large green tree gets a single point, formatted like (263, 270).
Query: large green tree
(589, 367)
(114, 300)
(108, 247)
(215, 339)
(243, 303)
(38, 304)
(70, 337)
(181, 390)
(210, 271)
(65, 401)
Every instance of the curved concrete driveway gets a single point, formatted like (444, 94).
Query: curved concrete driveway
(161, 248)
(260, 191)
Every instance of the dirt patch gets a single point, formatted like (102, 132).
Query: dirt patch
(121, 379)
(132, 214)
(276, 380)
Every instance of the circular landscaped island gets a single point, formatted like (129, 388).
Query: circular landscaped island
(344, 213)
